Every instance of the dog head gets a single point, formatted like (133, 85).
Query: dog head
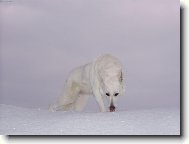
(113, 89)
(111, 79)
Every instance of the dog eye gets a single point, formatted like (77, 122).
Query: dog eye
(116, 94)
(107, 94)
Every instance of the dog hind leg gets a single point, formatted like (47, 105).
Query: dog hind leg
(81, 102)
(67, 101)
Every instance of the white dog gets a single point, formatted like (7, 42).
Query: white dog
(102, 78)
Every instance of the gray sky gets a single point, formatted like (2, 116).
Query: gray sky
(41, 41)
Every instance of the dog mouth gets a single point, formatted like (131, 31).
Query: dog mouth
(112, 108)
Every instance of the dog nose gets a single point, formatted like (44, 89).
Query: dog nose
(112, 108)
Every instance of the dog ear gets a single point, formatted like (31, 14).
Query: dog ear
(121, 77)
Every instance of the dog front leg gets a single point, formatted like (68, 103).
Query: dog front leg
(99, 100)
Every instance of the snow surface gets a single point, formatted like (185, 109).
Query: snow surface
(23, 121)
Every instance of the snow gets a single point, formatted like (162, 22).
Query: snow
(25, 121)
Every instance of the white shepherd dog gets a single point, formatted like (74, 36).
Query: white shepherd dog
(102, 78)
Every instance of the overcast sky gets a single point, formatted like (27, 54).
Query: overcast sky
(42, 41)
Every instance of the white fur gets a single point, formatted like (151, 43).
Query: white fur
(102, 76)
